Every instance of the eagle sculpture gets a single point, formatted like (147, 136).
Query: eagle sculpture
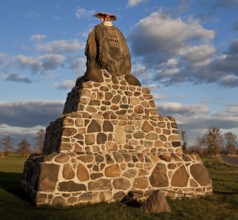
(105, 16)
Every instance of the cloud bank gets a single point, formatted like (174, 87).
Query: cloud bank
(176, 51)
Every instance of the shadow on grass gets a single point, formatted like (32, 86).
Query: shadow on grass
(10, 182)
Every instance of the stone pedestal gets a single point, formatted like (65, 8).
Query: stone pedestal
(110, 141)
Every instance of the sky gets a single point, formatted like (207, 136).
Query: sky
(184, 51)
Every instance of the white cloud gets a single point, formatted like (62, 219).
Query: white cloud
(37, 37)
(61, 46)
(199, 53)
(174, 51)
(172, 108)
(29, 113)
(32, 14)
(133, 3)
(67, 84)
(164, 34)
(41, 63)
(233, 109)
(81, 13)
(5, 60)
(230, 80)
(16, 130)
(77, 65)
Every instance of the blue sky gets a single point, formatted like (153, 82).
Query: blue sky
(185, 51)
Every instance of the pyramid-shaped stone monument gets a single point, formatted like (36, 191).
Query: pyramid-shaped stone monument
(110, 139)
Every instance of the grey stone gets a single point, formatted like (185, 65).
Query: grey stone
(48, 177)
(156, 203)
(159, 176)
(101, 138)
(180, 177)
(101, 184)
(71, 186)
(107, 126)
(107, 49)
(94, 126)
(200, 174)
(121, 183)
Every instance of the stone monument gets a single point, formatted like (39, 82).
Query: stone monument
(110, 139)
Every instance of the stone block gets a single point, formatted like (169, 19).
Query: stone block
(159, 176)
(48, 177)
(113, 171)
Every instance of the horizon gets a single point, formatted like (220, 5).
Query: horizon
(189, 61)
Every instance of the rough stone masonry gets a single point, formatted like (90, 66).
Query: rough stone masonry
(110, 139)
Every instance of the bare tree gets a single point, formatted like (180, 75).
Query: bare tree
(230, 142)
(199, 147)
(185, 141)
(24, 147)
(40, 137)
(213, 140)
(7, 145)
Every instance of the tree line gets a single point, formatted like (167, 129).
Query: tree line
(24, 147)
(212, 143)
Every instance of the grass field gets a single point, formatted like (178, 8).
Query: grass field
(222, 205)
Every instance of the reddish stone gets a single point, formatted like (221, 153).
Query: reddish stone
(89, 139)
(158, 144)
(145, 90)
(82, 172)
(139, 109)
(112, 170)
(58, 201)
(159, 177)
(141, 182)
(68, 172)
(72, 200)
(180, 177)
(111, 146)
(147, 127)
(165, 157)
(48, 177)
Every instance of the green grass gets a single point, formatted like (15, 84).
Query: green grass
(222, 205)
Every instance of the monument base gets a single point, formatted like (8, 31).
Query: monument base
(74, 178)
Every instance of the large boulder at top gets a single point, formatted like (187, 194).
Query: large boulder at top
(106, 48)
